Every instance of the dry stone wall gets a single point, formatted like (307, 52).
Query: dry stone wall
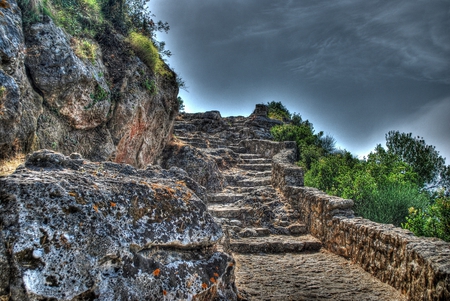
(418, 267)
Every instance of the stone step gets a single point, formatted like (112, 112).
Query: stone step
(257, 160)
(250, 156)
(231, 212)
(293, 229)
(250, 189)
(224, 197)
(265, 181)
(234, 178)
(275, 244)
(238, 149)
(259, 167)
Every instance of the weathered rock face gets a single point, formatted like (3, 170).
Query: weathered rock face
(199, 165)
(101, 106)
(76, 230)
(20, 105)
(67, 84)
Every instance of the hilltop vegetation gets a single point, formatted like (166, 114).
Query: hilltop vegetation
(405, 183)
(85, 19)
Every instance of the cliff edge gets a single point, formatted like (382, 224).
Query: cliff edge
(89, 94)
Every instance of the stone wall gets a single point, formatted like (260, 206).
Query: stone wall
(418, 267)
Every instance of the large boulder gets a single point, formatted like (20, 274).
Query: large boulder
(198, 164)
(76, 230)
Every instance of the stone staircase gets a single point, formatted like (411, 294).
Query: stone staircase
(276, 259)
(254, 216)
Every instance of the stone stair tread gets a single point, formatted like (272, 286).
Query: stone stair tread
(249, 189)
(275, 244)
(256, 160)
(250, 156)
(255, 182)
(259, 166)
(236, 175)
(225, 197)
(229, 211)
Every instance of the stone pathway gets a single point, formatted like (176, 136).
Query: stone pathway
(276, 258)
(307, 276)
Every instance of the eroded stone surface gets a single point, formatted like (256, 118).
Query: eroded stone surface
(109, 231)
(307, 276)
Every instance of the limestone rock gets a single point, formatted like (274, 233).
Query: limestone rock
(78, 230)
(199, 165)
(72, 87)
(100, 106)
(20, 106)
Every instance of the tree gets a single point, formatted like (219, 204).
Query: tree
(424, 159)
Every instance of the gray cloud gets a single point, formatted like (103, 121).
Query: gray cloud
(355, 68)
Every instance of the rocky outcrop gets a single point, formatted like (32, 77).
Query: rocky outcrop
(108, 105)
(20, 105)
(199, 165)
(76, 230)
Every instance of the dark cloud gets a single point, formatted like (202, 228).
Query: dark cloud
(354, 68)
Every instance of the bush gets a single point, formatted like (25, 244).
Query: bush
(431, 221)
(389, 204)
(278, 111)
(382, 189)
(308, 143)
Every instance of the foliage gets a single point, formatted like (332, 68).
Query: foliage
(147, 52)
(310, 145)
(150, 86)
(383, 188)
(99, 94)
(180, 104)
(424, 159)
(2, 91)
(278, 111)
(432, 221)
(389, 203)
(85, 49)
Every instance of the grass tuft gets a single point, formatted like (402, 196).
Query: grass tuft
(145, 49)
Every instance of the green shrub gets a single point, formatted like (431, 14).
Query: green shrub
(145, 49)
(389, 204)
(431, 221)
(308, 143)
(278, 111)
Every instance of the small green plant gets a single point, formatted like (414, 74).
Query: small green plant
(85, 50)
(150, 86)
(54, 145)
(2, 91)
(99, 94)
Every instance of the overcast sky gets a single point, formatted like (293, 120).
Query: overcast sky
(355, 68)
